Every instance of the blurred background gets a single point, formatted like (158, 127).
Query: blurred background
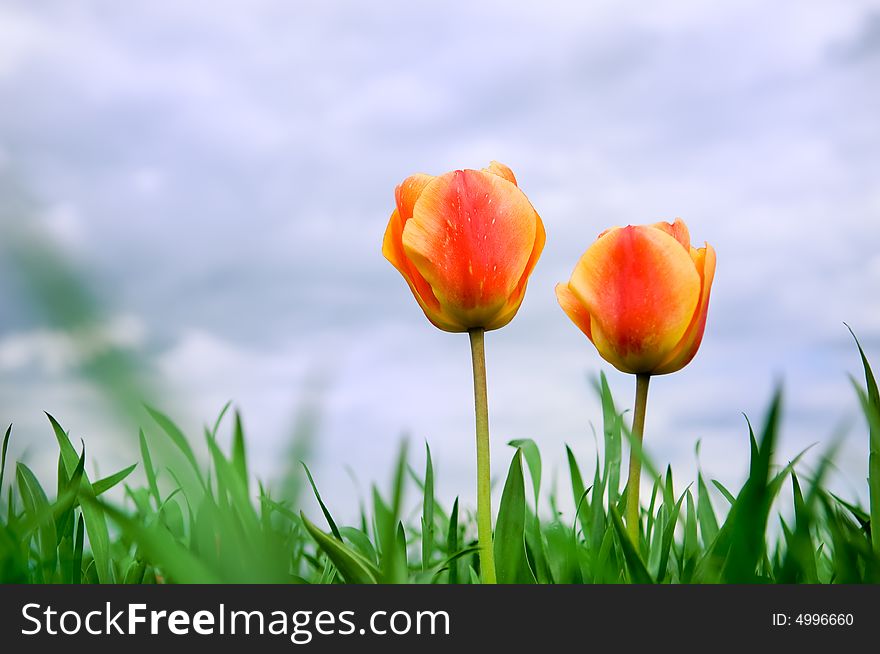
(193, 197)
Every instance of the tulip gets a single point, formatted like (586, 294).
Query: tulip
(641, 295)
(466, 242)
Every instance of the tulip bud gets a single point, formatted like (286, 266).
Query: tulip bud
(641, 295)
(466, 243)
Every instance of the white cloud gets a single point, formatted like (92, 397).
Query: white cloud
(65, 225)
(148, 180)
(22, 37)
(56, 352)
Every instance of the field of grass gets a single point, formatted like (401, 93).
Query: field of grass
(211, 522)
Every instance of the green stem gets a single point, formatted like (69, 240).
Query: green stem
(635, 459)
(484, 493)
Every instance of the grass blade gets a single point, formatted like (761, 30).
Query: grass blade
(3, 455)
(105, 484)
(37, 504)
(511, 566)
(149, 471)
(452, 542)
(871, 405)
(638, 573)
(239, 453)
(173, 432)
(351, 565)
(578, 492)
(324, 510)
(705, 513)
(95, 522)
(533, 460)
(611, 424)
(428, 510)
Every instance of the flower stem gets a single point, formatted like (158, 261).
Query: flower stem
(484, 496)
(635, 460)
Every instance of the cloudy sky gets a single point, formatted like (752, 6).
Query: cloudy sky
(221, 175)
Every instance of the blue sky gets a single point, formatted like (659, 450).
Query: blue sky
(222, 173)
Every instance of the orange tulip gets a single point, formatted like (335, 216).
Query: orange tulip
(641, 295)
(466, 243)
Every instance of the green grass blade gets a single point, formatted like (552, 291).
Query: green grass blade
(135, 573)
(651, 522)
(536, 549)
(386, 518)
(578, 492)
(723, 490)
(400, 543)
(398, 483)
(603, 572)
(611, 423)
(149, 470)
(351, 565)
(668, 535)
(705, 513)
(105, 484)
(3, 455)
(233, 486)
(179, 563)
(449, 562)
(361, 542)
(428, 510)
(324, 509)
(219, 419)
(511, 565)
(871, 405)
(386, 538)
(67, 493)
(452, 542)
(857, 512)
(598, 521)
(638, 573)
(95, 522)
(37, 504)
(76, 564)
(173, 432)
(239, 452)
(533, 461)
(800, 562)
(691, 544)
(746, 525)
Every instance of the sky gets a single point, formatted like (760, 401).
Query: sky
(220, 176)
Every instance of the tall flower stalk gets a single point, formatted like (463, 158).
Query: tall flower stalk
(466, 243)
(641, 295)
(484, 488)
(635, 458)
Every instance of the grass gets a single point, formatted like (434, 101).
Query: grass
(197, 522)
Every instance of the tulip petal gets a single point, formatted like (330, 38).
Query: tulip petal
(574, 309)
(704, 260)
(392, 249)
(408, 191)
(641, 289)
(607, 231)
(537, 249)
(405, 195)
(516, 298)
(501, 170)
(678, 230)
(472, 236)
